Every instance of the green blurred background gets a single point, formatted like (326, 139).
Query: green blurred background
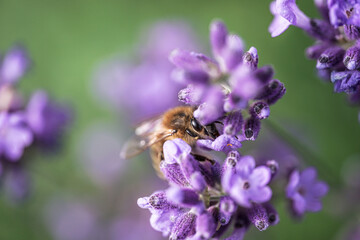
(68, 39)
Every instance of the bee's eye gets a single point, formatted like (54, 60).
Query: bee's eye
(191, 133)
(196, 125)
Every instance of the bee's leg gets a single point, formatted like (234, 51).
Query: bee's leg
(201, 158)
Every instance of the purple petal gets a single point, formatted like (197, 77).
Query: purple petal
(260, 195)
(260, 176)
(251, 58)
(292, 184)
(175, 150)
(212, 108)
(245, 166)
(232, 53)
(218, 36)
(299, 204)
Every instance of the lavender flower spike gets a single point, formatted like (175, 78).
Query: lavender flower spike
(337, 34)
(305, 191)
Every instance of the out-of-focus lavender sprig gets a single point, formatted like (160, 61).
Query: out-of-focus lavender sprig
(24, 126)
(337, 35)
(134, 86)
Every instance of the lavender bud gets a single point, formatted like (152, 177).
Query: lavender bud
(183, 197)
(173, 174)
(352, 58)
(260, 110)
(192, 95)
(157, 201)
(212, 108)
(258, 216)
(273, 166)
(352, 32)
(345, 81)
(231, 55)
(315, 51)
(185, 60)
(272, 214)
(264, 74)
(234, 154)
(321, 29)
(251, 58)
(184, 227)
(227, 207)
(330, 57)
(272, 92)
(251, 128)
(247, 84)
(231, 160)
(218, 35)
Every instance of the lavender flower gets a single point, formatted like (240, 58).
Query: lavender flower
(39, 124)
(247, 184)
(305, 191)
(337, 35)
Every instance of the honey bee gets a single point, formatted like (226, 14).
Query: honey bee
(178, 122)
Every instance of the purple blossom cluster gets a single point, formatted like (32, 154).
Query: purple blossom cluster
(337, 34)
(215, 199)
(222, 87)
(39, 122)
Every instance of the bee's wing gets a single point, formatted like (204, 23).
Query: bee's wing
(146, 134)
